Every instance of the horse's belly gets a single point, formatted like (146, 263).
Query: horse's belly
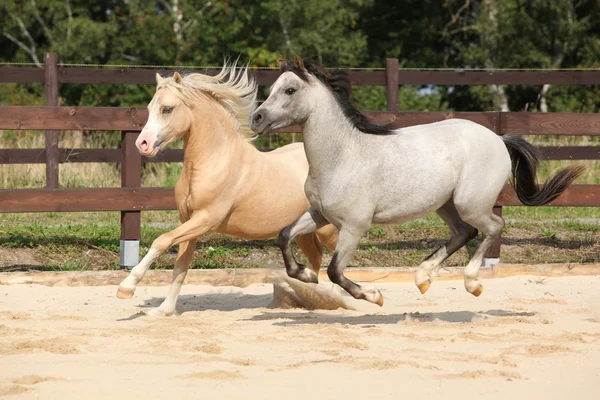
(265, 216)
(414, 202)
(402, 212)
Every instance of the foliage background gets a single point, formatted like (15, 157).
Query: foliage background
(348, 33)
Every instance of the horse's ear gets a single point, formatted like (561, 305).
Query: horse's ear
(300, 64)
(323, 71)
(159, 79)
(282, 63)
(176, 77)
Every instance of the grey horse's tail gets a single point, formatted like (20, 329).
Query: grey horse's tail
(525, 159)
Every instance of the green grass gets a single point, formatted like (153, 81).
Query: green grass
(92, 246)
(63, 241)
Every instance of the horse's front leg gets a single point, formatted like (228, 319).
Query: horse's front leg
(309, 222)
(182, 264)
(197, 225)
(346, 246)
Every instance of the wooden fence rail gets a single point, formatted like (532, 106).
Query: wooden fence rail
(130, 199)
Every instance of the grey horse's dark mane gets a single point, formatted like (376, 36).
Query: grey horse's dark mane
(339, 82)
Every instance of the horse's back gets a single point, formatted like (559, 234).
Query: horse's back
(457, 134)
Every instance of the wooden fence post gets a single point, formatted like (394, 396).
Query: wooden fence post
(391, 86)
(51, 99)
(131, 176)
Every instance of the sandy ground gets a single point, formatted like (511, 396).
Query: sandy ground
(525, 337)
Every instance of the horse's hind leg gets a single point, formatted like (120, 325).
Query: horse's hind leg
(309, 222)
(328, 235)
(184, 258)
(461, 233)
(312, 244)
(312, 249)
(346, 245)
(491, 226)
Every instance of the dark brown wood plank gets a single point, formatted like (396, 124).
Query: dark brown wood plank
(148, 76)
(73, 118)
(145, 76)
(569, 152)
(38, 156)
(21, 75)
(133, 119)
(22, 156)
(131, 176)
(368, 78)
(51, 99)
(574, 196)
(110, 75)
(140, 199)
(455, 78)
(167, 155)
(391, 86)
(78, 200)
(524, 123)
(267, 77)
(90, 155)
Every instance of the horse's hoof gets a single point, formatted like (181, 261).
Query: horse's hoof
(158, 312)
(307, 275)
(477, 291)
(423, 287)
(312, 277)
(374, 296)
(124, 293)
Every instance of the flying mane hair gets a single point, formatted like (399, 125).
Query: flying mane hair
(339, 82)
(232, 88)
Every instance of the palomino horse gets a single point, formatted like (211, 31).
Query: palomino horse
(361, 173)
(226, 185)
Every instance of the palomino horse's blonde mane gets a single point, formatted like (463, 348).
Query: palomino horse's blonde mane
(232, 88)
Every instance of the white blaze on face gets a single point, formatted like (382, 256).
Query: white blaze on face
(151, 131)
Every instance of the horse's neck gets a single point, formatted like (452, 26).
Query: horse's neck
(213, 140)
(329, 137)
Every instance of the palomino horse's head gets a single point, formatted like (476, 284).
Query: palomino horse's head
(169, 118)
(180, 102)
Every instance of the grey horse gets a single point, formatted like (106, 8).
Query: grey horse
(361, 173)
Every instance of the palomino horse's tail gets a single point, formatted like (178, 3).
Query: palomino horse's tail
(525, 160)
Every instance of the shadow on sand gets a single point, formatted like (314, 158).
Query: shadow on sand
(295, 317)
(207, 301)
(370, 320)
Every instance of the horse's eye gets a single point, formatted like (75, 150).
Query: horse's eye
(167, 110)
(290, 91)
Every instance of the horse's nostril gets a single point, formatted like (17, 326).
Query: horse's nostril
(258, 118)
(144, 145)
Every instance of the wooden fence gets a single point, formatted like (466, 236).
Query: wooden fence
(130, 199)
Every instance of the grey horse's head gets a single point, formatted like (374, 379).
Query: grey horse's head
(295, 95)
(287, 103)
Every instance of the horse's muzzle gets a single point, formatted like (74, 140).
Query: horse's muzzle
(258, 123)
